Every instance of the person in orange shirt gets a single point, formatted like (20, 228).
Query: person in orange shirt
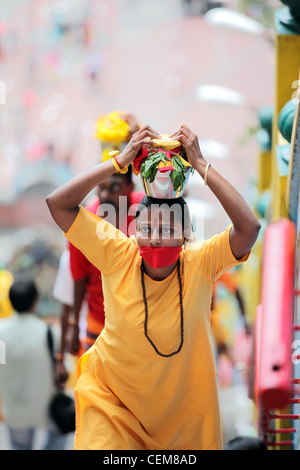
(149, 381)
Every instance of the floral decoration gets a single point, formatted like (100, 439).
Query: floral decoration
(111, 128)
(151, 160)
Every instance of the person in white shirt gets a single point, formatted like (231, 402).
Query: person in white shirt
(63, 292)
(26, 377)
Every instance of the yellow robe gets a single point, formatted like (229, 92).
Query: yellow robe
(127, 396)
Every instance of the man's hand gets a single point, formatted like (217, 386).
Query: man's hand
(191, 144)
(141, 137)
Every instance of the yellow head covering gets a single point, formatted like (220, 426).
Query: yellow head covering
(113, 131)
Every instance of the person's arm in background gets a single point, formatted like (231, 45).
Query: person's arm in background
(69, 332)
(242, 311)
(79, 272)
(61, 373)
(63, 293)
(73, 331)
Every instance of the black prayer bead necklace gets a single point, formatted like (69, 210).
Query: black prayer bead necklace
(146, 313)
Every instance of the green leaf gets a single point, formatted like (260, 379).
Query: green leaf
(177, 176)
(149, 166)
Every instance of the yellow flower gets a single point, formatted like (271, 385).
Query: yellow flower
(111, 128)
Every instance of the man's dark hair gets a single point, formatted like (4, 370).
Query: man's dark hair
(23, 293)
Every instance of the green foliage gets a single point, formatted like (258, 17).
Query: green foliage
(149, 168)
(178, 174)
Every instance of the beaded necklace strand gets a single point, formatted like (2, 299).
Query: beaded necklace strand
(181, 313)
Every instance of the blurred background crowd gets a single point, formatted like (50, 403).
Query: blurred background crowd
(63, 64)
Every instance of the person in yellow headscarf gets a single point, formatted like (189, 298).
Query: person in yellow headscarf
(149, 381)
(114, 130)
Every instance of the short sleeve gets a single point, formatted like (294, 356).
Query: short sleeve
(100, 242)
(214, 256)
